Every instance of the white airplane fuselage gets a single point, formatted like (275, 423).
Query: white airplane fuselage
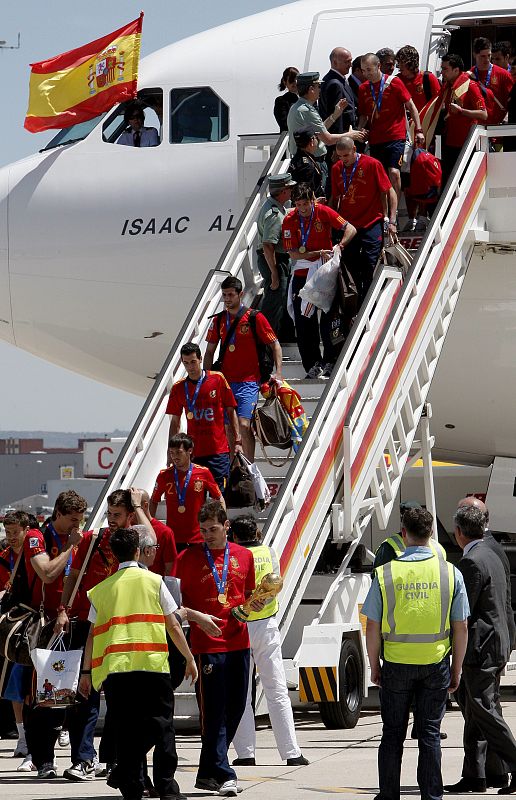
(103, 248)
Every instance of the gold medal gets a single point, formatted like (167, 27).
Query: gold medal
(223, 599)
(189, 415)
(231, 348)
(181, 509)
(302, 249)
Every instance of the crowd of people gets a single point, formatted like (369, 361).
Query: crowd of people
(113, 593)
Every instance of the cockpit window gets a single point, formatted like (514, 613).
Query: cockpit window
(119, 129)
(75, 133)
(197, 115)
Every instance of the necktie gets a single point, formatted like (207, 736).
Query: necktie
(136, 138)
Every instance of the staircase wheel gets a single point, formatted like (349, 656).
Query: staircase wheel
(346, 712)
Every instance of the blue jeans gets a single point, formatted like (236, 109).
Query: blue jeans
(427, 687)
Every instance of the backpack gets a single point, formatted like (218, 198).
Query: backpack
(425, 174)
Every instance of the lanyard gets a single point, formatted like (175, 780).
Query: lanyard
(190, 404)
(304, 236)
(59, 546)
(347, 181)
(488, 76)
(233, 335)
(378, 100)
(181, 493)
(220, 582)
(11, 558)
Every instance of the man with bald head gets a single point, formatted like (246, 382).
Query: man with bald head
(335, 87)
(166, 551)
(362, 193)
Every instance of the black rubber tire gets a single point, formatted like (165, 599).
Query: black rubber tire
(346, 712)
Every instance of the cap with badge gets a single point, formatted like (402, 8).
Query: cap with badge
(305, 79)
(281, 181)
(303, 136)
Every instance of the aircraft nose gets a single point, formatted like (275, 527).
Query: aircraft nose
(6, 326)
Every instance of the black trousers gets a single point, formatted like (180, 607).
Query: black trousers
(307, 331)
(141, 709)
(478, 696)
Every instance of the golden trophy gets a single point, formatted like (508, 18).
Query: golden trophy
(269, 586)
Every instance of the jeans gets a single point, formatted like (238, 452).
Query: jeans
(361, 256)
(427, 687)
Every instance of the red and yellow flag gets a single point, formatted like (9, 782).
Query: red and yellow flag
(79, 85)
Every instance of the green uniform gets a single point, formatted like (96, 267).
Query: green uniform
(274, 303)
(304, 115)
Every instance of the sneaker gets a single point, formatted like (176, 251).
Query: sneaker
(298, 761)
(421, 224)
(228, 789)
(244, 762)
(101, 770)
(64, 738)
(26, 765)
(410, 227)
(21, 749)
(83, 771)
(314, 372)
(47, 771)
(327, 370)
(207, 784)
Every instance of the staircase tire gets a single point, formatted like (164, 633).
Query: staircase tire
(345, 712)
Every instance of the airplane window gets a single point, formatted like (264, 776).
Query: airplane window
(197, 115)
(75, 133)
(116, 128)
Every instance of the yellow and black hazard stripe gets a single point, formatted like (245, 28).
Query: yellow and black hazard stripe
(318, 684)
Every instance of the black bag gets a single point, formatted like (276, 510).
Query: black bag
(240, 488)
(265, 358)
(20, 632)
(271, 424)
(347, 291)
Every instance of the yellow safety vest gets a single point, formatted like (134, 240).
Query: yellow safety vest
(398, 545)
(129, 633)
(417, 598)
(265, 562)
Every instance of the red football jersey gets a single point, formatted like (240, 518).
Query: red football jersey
(207, 425)
(185, 525)
(499, 87)
(103, 563)
(362, 203)
(241, 364)
(389, 124)
(319, 237)
(416, 88)
(457, 126)
(7, 561)
(198, 591)
(166, 553)
(33, 545)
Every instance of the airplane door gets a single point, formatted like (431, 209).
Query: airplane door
(366, 29)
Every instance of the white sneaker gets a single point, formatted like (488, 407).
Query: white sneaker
(26, 765)
(21, 749)
(100, 769)
(228, 789)
(327, 370)
(64, 738)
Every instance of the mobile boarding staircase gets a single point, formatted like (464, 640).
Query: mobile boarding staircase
(362, 434)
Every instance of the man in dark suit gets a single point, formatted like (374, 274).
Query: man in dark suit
(487, 653)
(335, 87)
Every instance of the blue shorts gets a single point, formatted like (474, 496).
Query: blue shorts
(218, 466)
(389, 154)
(246, 396)
(18, 683)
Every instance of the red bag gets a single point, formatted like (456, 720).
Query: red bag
(425, 175)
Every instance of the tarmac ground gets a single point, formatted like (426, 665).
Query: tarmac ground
(342, 762)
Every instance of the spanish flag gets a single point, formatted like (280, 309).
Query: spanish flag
(76, 86)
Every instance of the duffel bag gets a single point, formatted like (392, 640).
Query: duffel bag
(20, 630)
(240, 489)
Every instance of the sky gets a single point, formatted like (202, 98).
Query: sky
(48, 29)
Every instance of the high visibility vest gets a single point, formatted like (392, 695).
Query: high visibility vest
(398, 545)
(417, 598)
(129, 633)
(265, 561)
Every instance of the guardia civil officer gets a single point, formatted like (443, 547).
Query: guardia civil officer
(415, 603)
(265, 640)
(271, 257)
(127, 653)
(394, 546)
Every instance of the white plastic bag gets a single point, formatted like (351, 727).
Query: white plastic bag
(263, 495)
(57, 674)
(321, 287)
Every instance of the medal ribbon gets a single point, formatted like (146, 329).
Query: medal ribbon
(220, 582)
(59, 546)
(191, 403)
(378, 100)
(181, 493)
(345, 180)
(488, 76)
(228, 325)
(11, 558)
(304, 236)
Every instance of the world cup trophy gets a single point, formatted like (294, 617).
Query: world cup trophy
(269, 586)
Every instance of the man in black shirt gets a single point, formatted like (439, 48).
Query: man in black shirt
(304, 167)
